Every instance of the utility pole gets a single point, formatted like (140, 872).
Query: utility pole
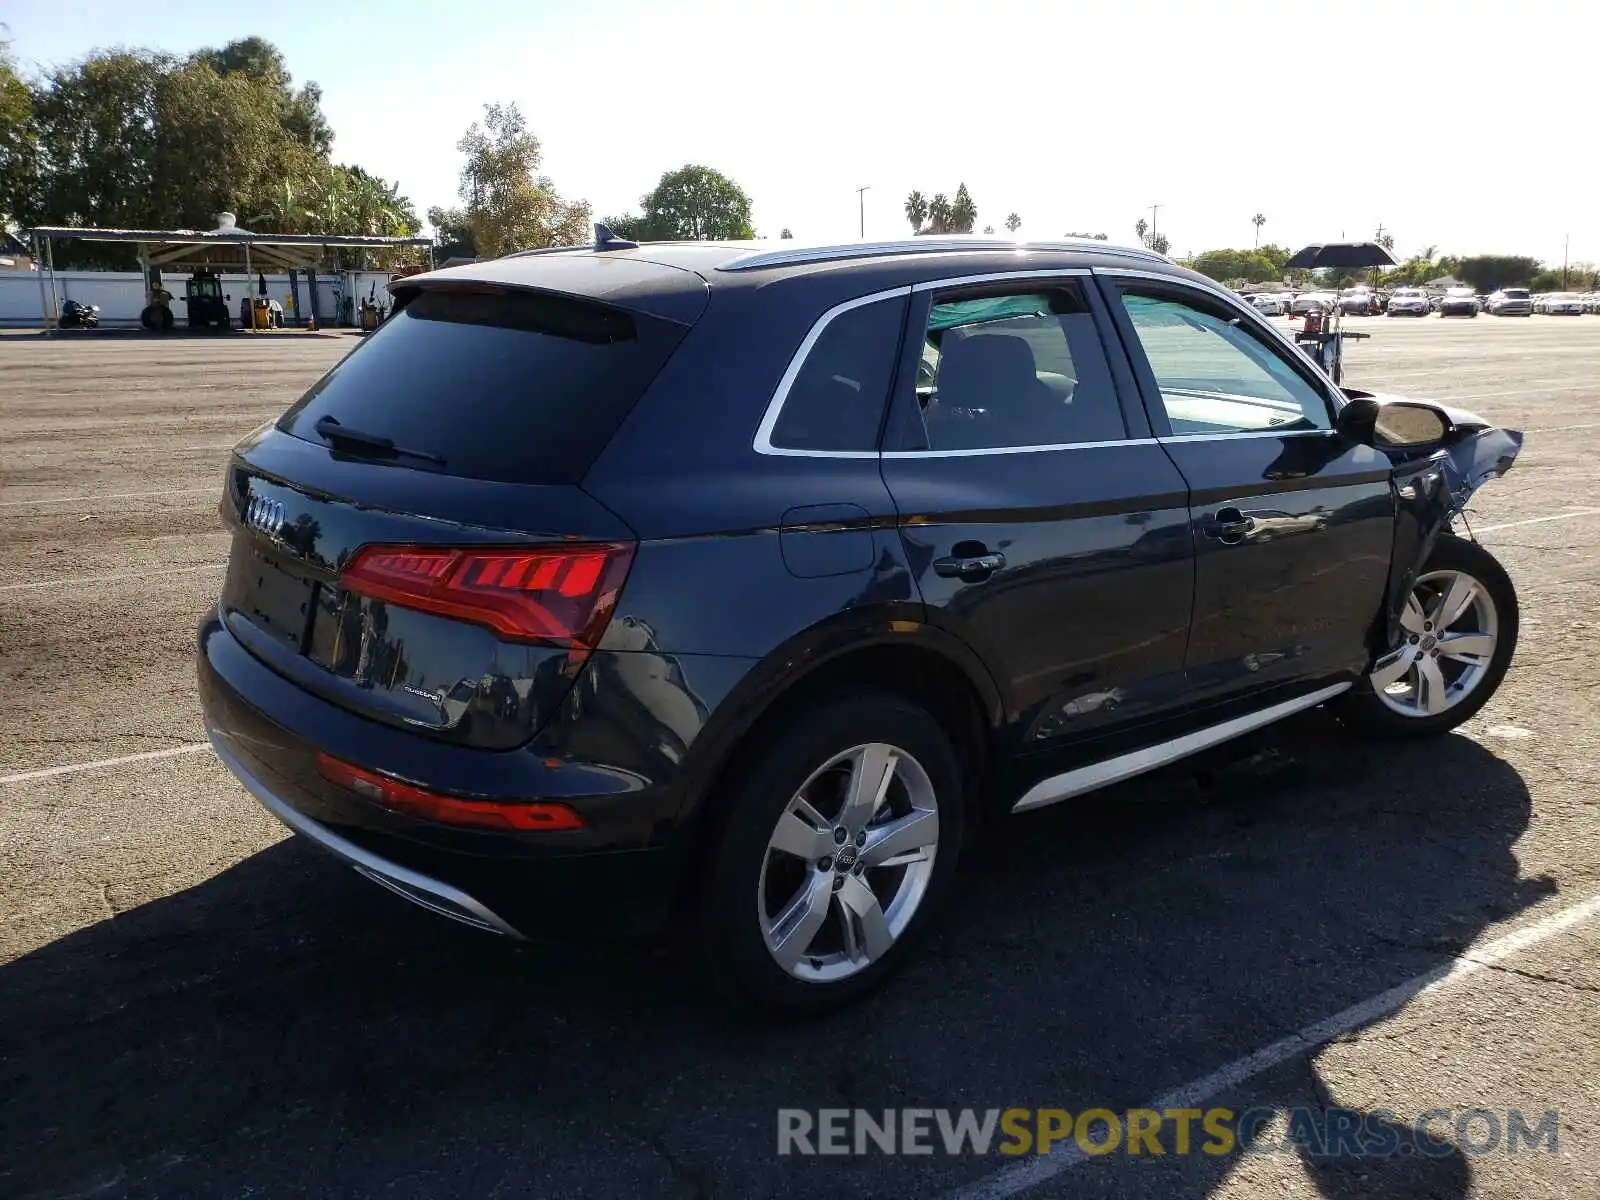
(861, 199)
(1153, 209)
(1566, 241)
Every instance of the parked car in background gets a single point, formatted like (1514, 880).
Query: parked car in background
(1563, 304)
(1307, 301)
(1357, 301)
(1510, 302)
(1269, 304)
(1458, 302)
(1408, 301)
(1591, 302)
(481, 639)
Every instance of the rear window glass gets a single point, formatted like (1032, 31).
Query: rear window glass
(511, 386)
(837, 400)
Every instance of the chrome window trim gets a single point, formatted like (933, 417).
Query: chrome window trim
(845, 251)
(938, 285)
(985, 450)
(1331, 390)
(769, 419)
(1138, 762)
(1244, 433)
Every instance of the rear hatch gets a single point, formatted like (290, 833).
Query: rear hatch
(410, 539)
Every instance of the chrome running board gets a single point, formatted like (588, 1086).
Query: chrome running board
(1126, 766)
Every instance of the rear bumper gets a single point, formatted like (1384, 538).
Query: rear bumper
(432, 894)
(619, 874)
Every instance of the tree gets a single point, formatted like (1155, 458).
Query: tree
(1247, 266)
(938, 214)
(1093, 237)
(510, 206)
(695, 203)
(19, 144)
(1141, 227)
(785, 234)
(1159, 242)
(1491, 272)
(299, 111)
(1258, 221)
(1013, 222)
(963, 212)
(916, 210)
(453, 236)
(988, 229)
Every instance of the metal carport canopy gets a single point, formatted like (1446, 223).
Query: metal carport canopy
(227, 246)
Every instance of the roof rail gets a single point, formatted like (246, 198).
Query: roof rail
(797, 256)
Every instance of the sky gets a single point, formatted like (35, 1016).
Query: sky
(1330, 117)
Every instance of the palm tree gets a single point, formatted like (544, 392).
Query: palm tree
(1141, 227)
(916, 210)
(1013, 222)
(1258, 221)
(939, 214)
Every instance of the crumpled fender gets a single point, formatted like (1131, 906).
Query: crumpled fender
(1431, 491)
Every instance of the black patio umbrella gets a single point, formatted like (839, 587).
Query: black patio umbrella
(262, 279)
(1341, 254)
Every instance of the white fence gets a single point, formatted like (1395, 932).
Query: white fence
(120, 294)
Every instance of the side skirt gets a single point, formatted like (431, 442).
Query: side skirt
(1126, 766)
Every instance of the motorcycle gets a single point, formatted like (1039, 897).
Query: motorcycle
(77, 315)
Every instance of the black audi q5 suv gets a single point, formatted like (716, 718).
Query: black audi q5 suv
(733, 586)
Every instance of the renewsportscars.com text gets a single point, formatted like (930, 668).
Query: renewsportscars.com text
(1337, 1132)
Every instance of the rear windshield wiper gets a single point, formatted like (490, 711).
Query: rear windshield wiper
(332, 430)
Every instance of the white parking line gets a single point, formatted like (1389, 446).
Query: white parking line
(74, 768)
(110, 496)
(1566, 516)
(1019, 1177)
(44, 583)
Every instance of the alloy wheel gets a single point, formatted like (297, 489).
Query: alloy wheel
(1448, 634)
(849, 863)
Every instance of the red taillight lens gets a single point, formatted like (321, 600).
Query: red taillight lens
(535, 816)
(561, 595)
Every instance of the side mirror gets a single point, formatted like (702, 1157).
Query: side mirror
(1398, 425)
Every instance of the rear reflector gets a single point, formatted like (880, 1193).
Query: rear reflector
(523, 816)
(562, 595)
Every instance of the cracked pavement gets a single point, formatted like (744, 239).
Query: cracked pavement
(192, 1004)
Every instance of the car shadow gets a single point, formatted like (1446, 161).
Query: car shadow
(287, 1029)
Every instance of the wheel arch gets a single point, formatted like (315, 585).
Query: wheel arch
(912, 659)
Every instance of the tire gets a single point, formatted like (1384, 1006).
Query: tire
(751, 883)
(1491, 609)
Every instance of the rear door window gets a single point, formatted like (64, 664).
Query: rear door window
(1016, 370)
(505, 385)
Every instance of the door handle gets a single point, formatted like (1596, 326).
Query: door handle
(1228, 524)
(970, 568)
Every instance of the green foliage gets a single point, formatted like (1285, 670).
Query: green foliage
(18, 140)
(510, 206)
(963, 212)
(916, 210)
(1490, 272)
(136, 139)
(785, 235)
(696, 203)
(938, 214)
(300, 112)
(1094, 237)
(1233, 266)
(1159, 242)
(1013, 222)
(454, 238)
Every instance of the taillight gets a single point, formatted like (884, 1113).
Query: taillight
(523, 815)
(561, 595)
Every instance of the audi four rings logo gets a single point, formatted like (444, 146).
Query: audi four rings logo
(265, 515)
